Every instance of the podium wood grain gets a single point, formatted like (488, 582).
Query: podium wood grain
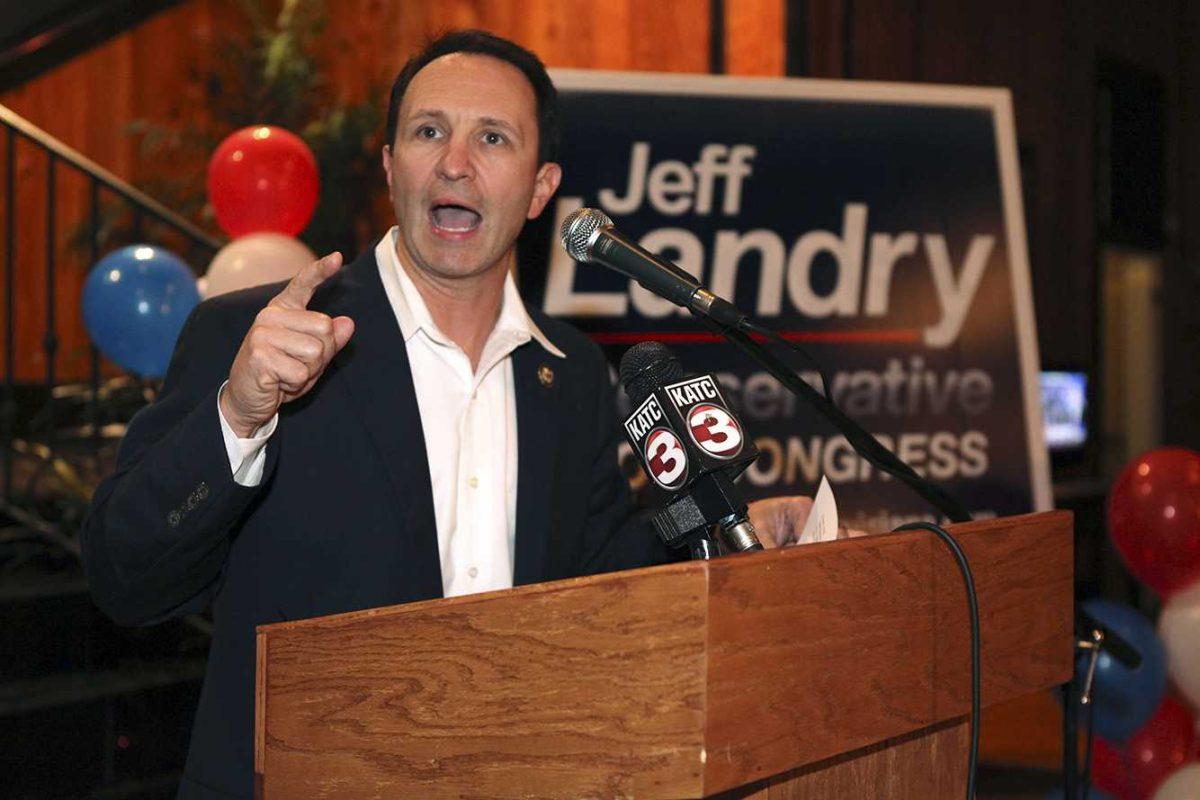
(815, 667)
(920, 766)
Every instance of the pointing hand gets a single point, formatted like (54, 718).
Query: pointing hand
(285, 352)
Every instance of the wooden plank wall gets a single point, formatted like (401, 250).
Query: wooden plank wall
(151, 72)
(154, 72)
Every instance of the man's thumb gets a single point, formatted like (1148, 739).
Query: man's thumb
(343, 329)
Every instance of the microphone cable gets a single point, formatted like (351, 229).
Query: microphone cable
(579, 232)
(752, 327)
(964, 567)
(749, 327)
(973, 607)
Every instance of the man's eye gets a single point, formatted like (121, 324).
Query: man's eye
(427, 132)
(492, 137)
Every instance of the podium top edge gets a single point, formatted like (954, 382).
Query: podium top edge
(700, 569)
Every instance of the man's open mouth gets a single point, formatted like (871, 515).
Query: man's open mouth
(455, 218)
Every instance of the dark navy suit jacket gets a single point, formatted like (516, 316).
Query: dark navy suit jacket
(343, 518)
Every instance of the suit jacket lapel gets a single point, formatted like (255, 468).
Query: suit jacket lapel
(538, 411)
(375, 375)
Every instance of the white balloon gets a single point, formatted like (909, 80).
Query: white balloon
(1179, 630)
(1182, 784)
(255, 259)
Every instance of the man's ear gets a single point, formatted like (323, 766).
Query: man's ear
(386, 157)
(545, 185)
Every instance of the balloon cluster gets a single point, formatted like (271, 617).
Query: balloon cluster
(263, 185)
(1147, 745)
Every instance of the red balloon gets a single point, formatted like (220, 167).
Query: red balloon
(1110, 769)
(1162, 745)
(1154, 517)
(263, 178)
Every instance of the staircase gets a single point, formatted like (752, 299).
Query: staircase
(35, 37)
(87, 709)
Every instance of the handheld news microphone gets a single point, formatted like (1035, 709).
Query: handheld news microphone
(692, 447)
(588, 235)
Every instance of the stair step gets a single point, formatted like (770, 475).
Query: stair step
(64, 689)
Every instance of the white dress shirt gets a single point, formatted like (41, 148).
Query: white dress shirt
(469, 418)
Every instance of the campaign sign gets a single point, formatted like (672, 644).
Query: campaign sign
(879, 226)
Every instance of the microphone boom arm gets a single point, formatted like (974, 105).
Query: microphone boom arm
(587, 234)
(863, 442)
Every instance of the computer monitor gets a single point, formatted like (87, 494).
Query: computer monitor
(1064, 409)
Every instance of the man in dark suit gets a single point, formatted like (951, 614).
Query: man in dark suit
(391, 431)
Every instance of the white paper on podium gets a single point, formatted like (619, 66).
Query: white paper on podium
(822, 523)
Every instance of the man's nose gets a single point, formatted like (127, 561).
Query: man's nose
(456, 163)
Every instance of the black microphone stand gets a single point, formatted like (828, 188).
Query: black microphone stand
(587, 232)
(863, 442)
(871, 449)
(587, 235)
(1079, 693)
(703, 548)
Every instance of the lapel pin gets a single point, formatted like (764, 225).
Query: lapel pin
(546, 376)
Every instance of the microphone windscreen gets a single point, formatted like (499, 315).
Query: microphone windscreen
(577, 230)
(645, 367)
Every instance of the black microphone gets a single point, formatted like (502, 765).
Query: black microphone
(691, 446)
(588, 236)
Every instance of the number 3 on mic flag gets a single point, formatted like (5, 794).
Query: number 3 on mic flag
(709, 423)
(665, 458)
(715, 431)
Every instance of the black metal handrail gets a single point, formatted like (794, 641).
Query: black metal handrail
(143, 207)
(99, 175)
(51, 32)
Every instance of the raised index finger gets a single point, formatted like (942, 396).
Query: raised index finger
(301, 287)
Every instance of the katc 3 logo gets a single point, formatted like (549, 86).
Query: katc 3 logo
(715, 431)
(710, 424)
(665, 458)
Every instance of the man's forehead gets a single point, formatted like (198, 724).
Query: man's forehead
(488, 86)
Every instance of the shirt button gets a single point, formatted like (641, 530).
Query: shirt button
(473, 482)
(473, 572)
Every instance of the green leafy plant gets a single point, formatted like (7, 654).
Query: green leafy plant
(270, 74)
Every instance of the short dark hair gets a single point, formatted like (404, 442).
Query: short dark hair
(486, 44)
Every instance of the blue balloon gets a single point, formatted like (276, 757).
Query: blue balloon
(1125, 698)
(135, 301)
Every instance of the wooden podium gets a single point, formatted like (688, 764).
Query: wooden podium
(839, 669)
